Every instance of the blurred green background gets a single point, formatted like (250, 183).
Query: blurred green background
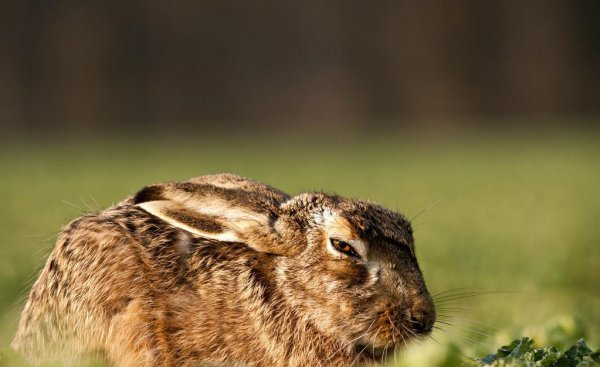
(477, 119)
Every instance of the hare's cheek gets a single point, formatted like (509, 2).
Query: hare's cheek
(350, 274)
(374, 271)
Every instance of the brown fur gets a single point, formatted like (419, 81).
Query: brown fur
(145, 289)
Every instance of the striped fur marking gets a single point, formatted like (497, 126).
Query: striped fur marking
(186, 219)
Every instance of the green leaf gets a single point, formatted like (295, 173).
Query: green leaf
(489, 359)
(550, 358)
(520, 353)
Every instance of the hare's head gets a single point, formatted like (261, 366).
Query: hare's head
(356, 276)
(347, 266)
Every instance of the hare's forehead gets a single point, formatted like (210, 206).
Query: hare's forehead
(332, 220)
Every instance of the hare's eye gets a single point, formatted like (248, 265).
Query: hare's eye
(344, 247)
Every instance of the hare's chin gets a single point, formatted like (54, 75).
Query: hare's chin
(372, 352)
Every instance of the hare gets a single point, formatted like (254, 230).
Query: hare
(225, 271)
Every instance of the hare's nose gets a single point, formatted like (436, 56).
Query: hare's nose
(422, 325)
(422, 317)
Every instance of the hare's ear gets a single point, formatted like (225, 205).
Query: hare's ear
(197, 223)
(216, 220)
(214, 212)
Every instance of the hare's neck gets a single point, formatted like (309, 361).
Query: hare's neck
(302, 341)
(299, 342)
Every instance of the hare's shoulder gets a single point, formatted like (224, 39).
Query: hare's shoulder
(113, 227)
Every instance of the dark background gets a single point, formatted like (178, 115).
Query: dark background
(110, 66)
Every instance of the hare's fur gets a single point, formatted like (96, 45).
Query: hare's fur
(222, 270)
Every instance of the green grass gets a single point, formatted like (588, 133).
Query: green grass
(506, 212)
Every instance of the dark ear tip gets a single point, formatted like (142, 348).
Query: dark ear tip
(149, 193)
